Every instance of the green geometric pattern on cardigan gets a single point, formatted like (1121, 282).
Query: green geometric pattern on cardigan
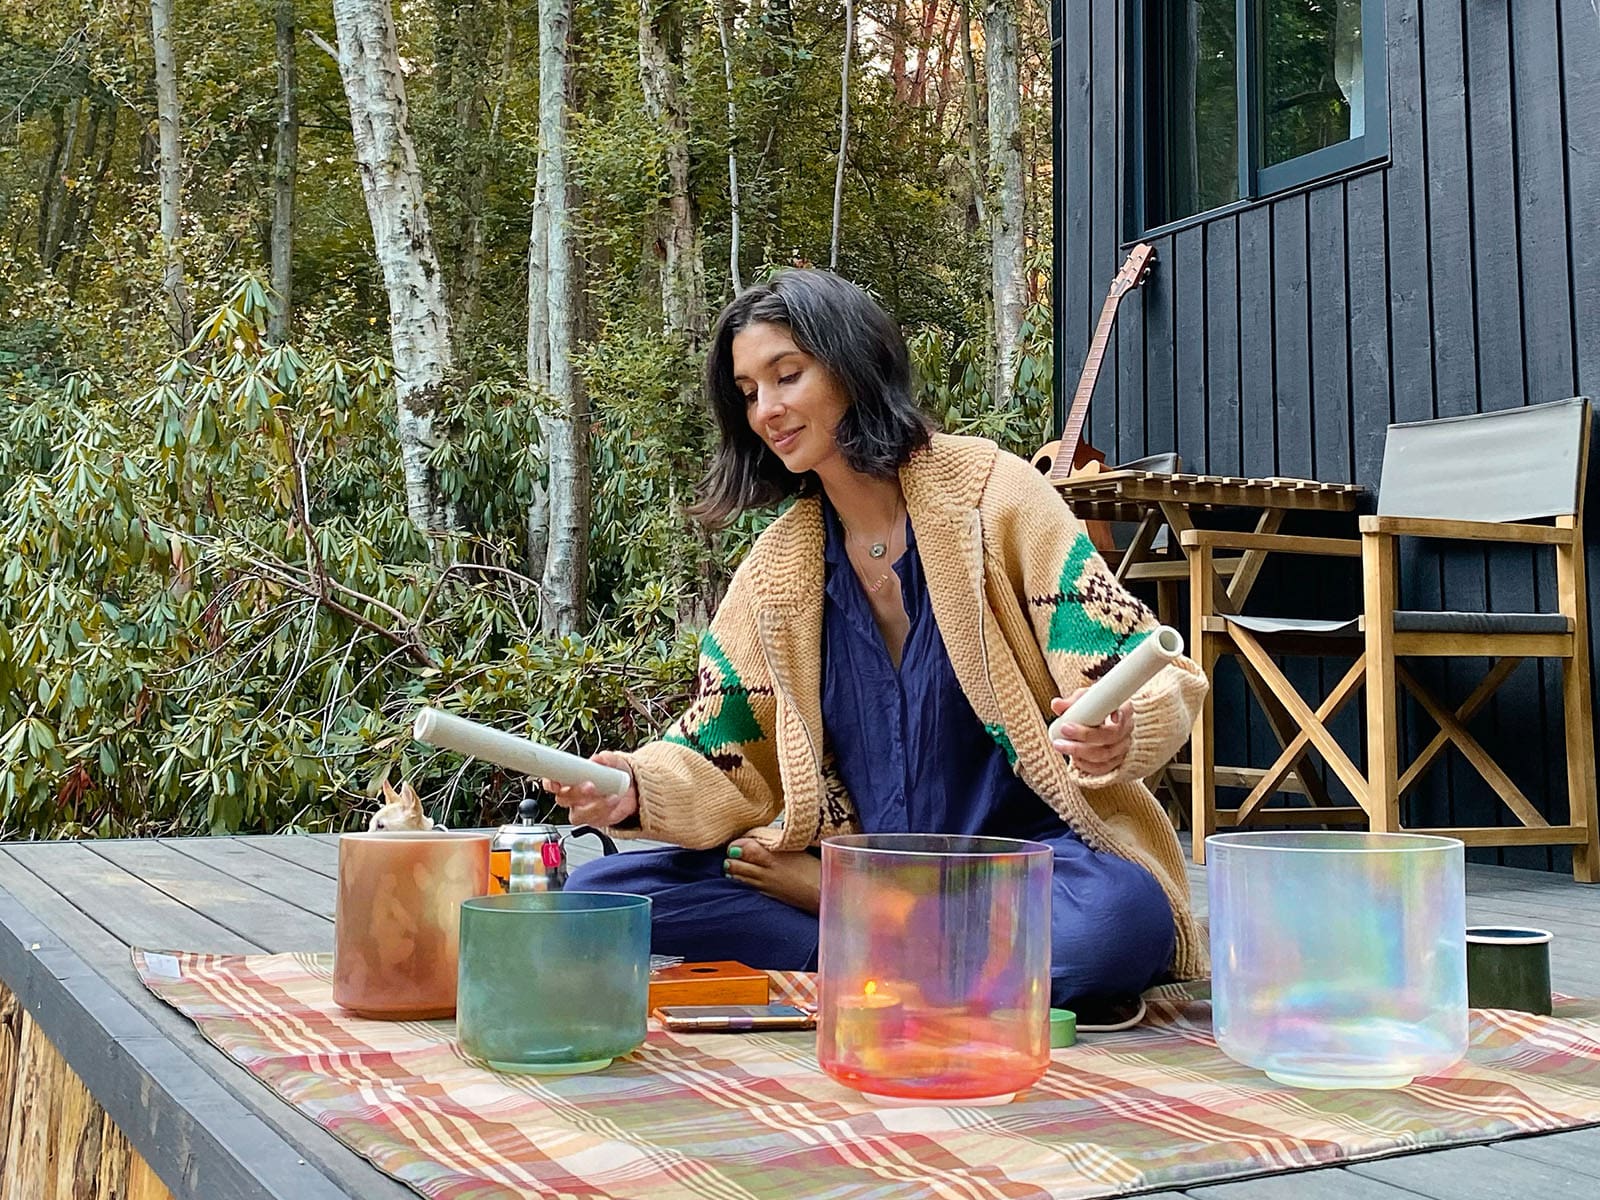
(1003, 740)
(1073, 627)
(733, 724)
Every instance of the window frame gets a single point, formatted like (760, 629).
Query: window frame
(1257, 181)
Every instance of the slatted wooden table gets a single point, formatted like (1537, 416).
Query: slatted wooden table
(1129, 495)
(200, 1128)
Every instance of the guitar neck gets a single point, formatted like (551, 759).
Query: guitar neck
(1072, 433)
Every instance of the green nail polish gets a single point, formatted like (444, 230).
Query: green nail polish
(735, 851)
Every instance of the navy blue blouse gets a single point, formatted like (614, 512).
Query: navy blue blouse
(908, 745)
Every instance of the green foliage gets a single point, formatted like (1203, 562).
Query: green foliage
(953, 376)
(215, 615)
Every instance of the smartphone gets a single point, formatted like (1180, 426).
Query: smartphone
(734, 1018)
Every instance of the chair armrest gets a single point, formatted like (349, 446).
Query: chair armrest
(1483, 531)
(1280, 543)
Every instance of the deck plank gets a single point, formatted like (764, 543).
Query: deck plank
(246, 860)
(1327, 1183)
(1477, 1173)
(135, 912)
(265, 919)
(316, 852)
(1533, 907)
(1578, 1150)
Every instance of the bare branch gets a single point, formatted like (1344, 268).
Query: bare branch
(321, 43)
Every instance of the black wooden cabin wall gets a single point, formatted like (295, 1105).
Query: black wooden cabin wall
(1461, 276)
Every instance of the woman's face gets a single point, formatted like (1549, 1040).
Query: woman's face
(792, 401)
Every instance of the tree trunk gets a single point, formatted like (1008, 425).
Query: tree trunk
(84, 226)
(65, 185)
(462, 153)
(567, 432)
(471, 273)
(539, 360)
(776, 91)
(925, 33)
(683, 283)
(897, 51)
(70, 236)
(959, 19)
(975, 166)
(283, 177)
(49, 185)
(170, 172)
(419, 322)
(1008, 265)
(685, 321)
(724, 34)
(844, 130)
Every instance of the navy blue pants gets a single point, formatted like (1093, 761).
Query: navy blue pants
(1111, 926)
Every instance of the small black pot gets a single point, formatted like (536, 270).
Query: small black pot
(1508, 967)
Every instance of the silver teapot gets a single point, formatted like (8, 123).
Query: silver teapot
(530, 856)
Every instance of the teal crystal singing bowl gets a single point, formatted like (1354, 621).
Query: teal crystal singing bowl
(553, 982)
(1338, 960)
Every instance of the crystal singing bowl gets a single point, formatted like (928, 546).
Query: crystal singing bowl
(934, 965)
(553, 982)
(396, 921)
(1338, 959)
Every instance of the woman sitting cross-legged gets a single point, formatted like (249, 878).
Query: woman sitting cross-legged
(886, 660)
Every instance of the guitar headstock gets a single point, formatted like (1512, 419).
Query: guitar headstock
(1135, 270)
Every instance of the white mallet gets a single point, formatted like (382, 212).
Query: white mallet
(450, 732)
(1118, 685)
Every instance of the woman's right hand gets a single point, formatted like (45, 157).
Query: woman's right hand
(587, 805)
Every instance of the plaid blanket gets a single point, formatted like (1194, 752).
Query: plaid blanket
(750, 1117)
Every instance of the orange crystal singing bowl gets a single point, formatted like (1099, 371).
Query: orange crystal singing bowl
(397, 924)
(935, 966)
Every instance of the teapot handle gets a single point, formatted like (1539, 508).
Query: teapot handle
(607, 846)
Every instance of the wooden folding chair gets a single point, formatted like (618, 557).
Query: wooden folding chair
(1489, 477)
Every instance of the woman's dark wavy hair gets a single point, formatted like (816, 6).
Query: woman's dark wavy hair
(843, 328)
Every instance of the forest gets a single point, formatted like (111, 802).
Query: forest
(350, 358)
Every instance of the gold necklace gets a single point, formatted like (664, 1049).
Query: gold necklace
(879, 549)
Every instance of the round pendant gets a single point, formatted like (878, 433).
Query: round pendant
(879, 549)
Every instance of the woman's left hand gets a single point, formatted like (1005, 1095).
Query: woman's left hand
(1095, 750)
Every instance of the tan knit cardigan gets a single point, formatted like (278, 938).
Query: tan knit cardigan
(1027, 612)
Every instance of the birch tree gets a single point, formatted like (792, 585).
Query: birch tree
(419, 321)
(170, 174)
(566, 432)
(725, 37)
(1008, 283)
(283, 175)
(538, 354)
(844, 130)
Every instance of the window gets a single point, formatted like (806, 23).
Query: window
(1237, 99)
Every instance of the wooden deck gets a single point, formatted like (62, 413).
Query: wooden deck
(73, 909)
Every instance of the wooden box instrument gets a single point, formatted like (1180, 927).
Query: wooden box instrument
(708, 983)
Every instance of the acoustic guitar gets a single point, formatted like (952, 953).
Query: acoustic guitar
(1070, 455)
